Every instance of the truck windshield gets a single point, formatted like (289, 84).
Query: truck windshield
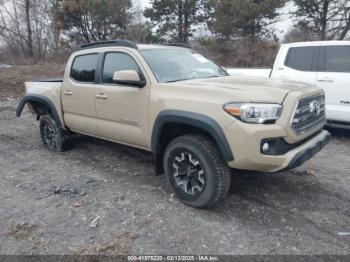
(172, 65)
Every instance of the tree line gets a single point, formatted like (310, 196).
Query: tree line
(227, 29)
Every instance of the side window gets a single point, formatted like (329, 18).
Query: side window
(117, 62)
(337, 59)
(84, 67)
(301, 58)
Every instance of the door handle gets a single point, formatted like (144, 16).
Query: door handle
(326, 80)
(101, 96)
(68, 93)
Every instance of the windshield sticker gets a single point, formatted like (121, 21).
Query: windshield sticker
(200, 58)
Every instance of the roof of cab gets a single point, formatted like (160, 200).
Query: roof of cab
(108, 45)
(128, 44)
(147, 46)
(314, 43)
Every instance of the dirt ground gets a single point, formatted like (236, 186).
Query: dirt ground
(103, 198)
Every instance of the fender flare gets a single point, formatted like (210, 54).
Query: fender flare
(192, 119)
(41, 99)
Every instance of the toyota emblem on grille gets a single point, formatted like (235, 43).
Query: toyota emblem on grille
(315, 107)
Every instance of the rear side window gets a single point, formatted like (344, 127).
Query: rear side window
(337, 59)
(118, 62)
(84, 67)
(301, 58)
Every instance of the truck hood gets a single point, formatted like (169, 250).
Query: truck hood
(247, 88)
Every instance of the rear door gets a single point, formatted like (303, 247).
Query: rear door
(78, 94)
(122, 110)
(300, 64)
(334, 78)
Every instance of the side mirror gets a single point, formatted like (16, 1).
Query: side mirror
(128, 77)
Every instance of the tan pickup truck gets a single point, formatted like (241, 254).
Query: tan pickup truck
(199, 122)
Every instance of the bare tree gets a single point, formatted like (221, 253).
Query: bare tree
(10, 26)
(299, 34)
(139, 29)
(26, 27)
(330, 19)
(29, 27)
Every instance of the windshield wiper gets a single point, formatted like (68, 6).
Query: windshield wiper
(211, 76)
(173, 81)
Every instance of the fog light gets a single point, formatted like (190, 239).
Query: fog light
(265, 147)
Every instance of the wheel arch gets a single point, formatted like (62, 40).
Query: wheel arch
(189, 121)
(40, 105)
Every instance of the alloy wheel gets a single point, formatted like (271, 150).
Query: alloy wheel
(188, 173)
(50, 136)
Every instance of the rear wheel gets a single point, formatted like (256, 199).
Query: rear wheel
(52, 135)
(196, 170)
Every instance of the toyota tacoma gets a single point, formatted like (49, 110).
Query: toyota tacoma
(199, 122)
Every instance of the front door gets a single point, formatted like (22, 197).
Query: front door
(300, 65)
(78, 94)
(334, 78)
(122, 110)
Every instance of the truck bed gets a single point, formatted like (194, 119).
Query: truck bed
(50, 80)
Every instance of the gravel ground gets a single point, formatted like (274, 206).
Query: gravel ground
(103, 198)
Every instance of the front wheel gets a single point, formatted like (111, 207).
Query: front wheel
(196, 170)
(52, 135)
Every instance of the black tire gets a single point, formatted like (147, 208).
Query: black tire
(184, 160)
(52, 135)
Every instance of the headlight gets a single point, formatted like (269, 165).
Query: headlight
(254, 112)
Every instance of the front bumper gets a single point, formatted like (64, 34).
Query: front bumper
(247, 154)
(311, 148)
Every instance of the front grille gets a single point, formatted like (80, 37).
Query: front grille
(310, 113)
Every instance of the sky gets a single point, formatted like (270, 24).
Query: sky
(281, 27)
(143, 3)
